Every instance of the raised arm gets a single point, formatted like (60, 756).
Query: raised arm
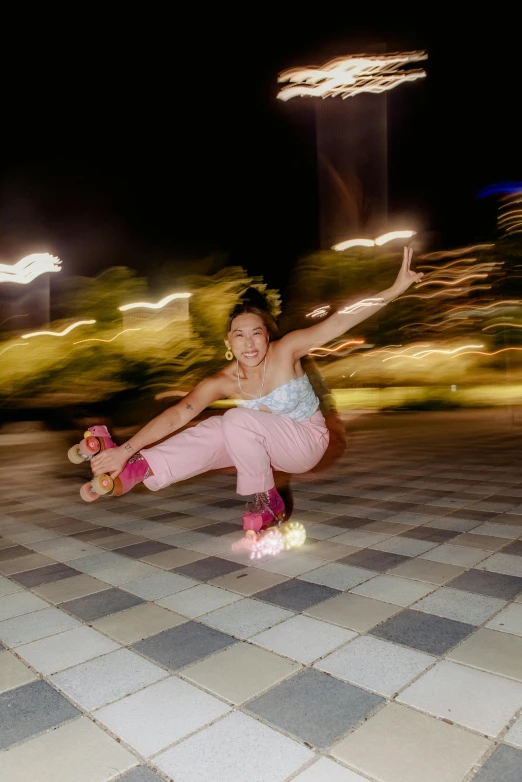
(113, 460)
(300, 342)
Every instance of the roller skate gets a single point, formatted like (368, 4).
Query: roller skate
(96, 439)
(266, 532)
(267, 509)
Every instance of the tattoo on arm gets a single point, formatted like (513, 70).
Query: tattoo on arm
(189, 407)
(128, 447)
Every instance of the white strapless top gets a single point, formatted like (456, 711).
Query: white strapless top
(295, 399)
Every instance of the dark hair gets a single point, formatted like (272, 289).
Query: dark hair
(255, 302)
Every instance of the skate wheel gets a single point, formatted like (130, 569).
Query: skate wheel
(74, 455)
(87, 494)
(102, 484)
(294, 534)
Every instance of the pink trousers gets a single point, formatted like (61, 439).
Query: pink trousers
(252, 441)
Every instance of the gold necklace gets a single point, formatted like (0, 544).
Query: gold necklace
(262, 384)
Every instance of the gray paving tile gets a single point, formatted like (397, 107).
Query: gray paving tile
(140, 774)
(504, 765)
(430, 534)
(425, 632)
(374, 560)
(13, 552)
(514, 548)
(145, 549)
(101, 604)
(31, 709)
(45, 575)
(485, 583)
(314, 707)
(208, 568)
(296, 595)
(182, 645)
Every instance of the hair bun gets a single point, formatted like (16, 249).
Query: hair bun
(255, 298)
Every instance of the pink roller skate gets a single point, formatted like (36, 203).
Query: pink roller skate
(96, 439)
(268, 508)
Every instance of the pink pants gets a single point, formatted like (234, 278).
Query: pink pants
(252, 441)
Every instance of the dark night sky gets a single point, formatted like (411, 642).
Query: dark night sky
(140, 142)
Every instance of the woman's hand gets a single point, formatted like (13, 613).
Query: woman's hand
(111, 461)
(406, 277)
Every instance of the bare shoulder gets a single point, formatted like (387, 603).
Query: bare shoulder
(224, 381)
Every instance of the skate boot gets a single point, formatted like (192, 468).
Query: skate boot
(135, 471)
(267, 509)
(95, 439)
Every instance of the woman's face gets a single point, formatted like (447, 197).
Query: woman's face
(248, 339)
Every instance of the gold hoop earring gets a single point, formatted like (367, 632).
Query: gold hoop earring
(229, 355)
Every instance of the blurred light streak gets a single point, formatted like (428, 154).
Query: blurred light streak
(510, 325)
(455, 282)
(382, 350)
(26, 315)
(508, 302)
(485, 353)
(452, 253)
(318, 312)
(29, 268)
(351, 75)
(59, 333)
(351, 309)
(391, 235)
(328, 351)
(500, 188)
(97, 339)
(353, 243)
(383, 239)
(156, 306)
(16, 345)
(423, 353)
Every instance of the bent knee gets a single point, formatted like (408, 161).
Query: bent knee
(236, 416)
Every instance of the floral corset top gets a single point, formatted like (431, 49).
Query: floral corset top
(295, 399)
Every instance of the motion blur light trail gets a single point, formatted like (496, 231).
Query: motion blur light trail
(59, 333)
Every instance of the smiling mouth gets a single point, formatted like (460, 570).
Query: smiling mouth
(251, 355)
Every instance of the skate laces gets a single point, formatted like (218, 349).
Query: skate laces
(260, 503)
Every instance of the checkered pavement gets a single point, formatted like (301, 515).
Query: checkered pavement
(136, 645)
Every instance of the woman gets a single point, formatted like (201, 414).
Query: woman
(277, 424)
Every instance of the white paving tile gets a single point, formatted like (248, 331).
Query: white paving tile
(498, 530)
(356, 537)
(159, 585)
(161, 714)
(39, 624)
(408, 547)
(20, 603)
(79, 751)
(456, 555)
(290, 564)
(8, 587)
(514, 734)
(303, 638)
(376, 665)
(107, 678)
(509, 620)
(245, 618)
(459, 605)
(199, 600)
(219, 754)
(125, 572)
(507, 564)
(338, 576)
(393, 589)
(49, 655)
(475, 699)
(102, 559)
(326, 770)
